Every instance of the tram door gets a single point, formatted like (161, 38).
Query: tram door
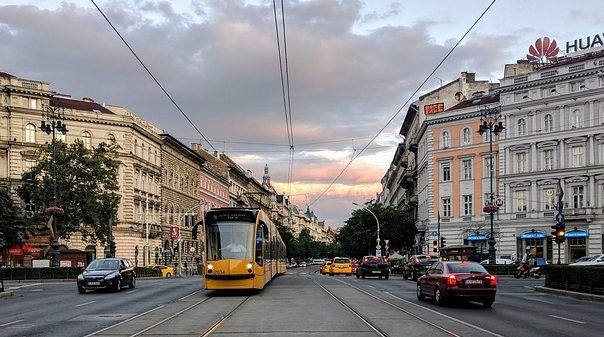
(261, 247)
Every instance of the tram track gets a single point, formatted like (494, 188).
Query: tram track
(381, 332)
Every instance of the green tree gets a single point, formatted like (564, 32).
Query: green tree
(358, 236)
(13, 227)
(85, 181)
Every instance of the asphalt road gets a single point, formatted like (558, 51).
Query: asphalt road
(301, 302)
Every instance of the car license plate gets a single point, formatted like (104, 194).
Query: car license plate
(376, 272)
(94, 283)
(473, 281)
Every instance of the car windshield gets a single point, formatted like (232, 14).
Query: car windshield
(465, 267)
(103, 265)
(586, 258)
(427, 259)
(375, 259)
(341, 261)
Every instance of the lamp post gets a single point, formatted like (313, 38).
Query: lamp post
(52, 123)
(378, 247)
(490, 121)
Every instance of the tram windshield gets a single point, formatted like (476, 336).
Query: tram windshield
(230, 240)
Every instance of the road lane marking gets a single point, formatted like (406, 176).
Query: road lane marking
(538, 300)
(131, 291)
(567, 319)
(191, 294)
(24, 286)
(9, 323)
(83, 304)
(124, 321)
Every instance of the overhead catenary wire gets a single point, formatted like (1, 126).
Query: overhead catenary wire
(404, 104)
(152, 76)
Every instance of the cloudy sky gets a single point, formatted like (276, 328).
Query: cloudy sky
(352, 65)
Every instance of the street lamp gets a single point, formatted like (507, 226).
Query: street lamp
(491, 122)
(52, 123)
(378, 247)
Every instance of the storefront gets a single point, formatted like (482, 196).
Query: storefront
(480, 242)
(537, 242)
(576, 244)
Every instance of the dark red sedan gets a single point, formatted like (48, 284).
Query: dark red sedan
(467, 281)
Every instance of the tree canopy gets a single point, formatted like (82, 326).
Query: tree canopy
(86, 182)
(13, 227)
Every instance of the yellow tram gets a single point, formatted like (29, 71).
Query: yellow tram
(243, 249)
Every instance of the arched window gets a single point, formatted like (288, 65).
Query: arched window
(467, 136)
(548, 123)
(445, 141)
(521, 127)
(86, 138)
(30, 133)
(576, 119)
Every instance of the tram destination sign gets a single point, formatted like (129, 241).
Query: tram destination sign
(243, 216)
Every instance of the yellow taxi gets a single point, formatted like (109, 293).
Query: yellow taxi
(341, 265)
(166, 272)
(325, 267)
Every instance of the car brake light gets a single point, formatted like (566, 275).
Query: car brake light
(492, 280)
(451, 280)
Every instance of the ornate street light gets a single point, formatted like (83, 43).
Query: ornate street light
(490, 121)
(52, 123)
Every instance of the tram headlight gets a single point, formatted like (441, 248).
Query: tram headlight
(249, 267)
(210, 268)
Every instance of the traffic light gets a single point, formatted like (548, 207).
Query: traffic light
(443, 242)
(435, 246)
(561, 233)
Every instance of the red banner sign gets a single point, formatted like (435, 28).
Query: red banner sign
(174, 232)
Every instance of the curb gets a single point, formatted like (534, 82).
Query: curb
(6, 294)
(138, 278)
(572, 294)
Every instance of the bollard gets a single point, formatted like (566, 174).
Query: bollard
(1, 286)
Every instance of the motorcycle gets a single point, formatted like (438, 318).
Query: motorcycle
(524, 270)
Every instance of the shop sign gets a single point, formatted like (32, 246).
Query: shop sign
(533, 235)
(174, 232)
(585, 43)
(431, 109)
(577, 234)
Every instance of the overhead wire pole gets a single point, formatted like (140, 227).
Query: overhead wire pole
(405, 103)
(152, 76)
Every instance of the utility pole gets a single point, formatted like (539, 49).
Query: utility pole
(146, 250)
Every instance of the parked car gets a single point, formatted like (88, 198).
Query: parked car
(318, 262)
(498, 261)
(110, 273)
(417, 266)
(467, 281)
(373, 266)
(325, 267)
(292, 264)
(166, 271)
(595, 260)
(340, 265)
(302, 264)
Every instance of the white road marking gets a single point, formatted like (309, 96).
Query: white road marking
(131, 291)
(124, 321)
(372, 287)
(36, 290)
(24, 286)
(83, 304)
(567, 319)
(9, 323)
(191, 294)
(538, 300)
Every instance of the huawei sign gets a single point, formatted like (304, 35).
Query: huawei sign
(543, 50)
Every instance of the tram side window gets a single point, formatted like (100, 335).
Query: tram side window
(260, 233)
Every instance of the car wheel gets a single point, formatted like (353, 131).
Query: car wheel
(420, 295)
(81, 290)
(488, 303)
(362, 275)
(518, 274)
(118, 285)
(438, 297)
(168, 275)
(133, 282)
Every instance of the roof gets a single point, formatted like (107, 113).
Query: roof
(476, 101)
(79, 105)
(6, 75)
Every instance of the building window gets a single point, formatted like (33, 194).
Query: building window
(548, 159)
(466, 166)
(33, 103)
(549, 201)
(446, 171)
(578, 157)
(467, 136)
(445, 140)
(577, 85)
(520, 198)
(578, 196)
(520, 162)
(576, 119)
(30, 133)
(446, 209)
(548, 123)
(521, 127)
(86, 138)
(488, 170)
(467, 205)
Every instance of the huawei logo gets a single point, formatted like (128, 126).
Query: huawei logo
(543, 50)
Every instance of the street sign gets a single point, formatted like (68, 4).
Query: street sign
(499, 202)
(192, 250)
(559, 218)
(434, 233)
(378, 247)
(174, 232)
(378, 253)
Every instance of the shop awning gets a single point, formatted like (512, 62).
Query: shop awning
(476, 237)
(532, 235)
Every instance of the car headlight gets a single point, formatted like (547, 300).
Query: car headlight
(81, 277)
(112, 275)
